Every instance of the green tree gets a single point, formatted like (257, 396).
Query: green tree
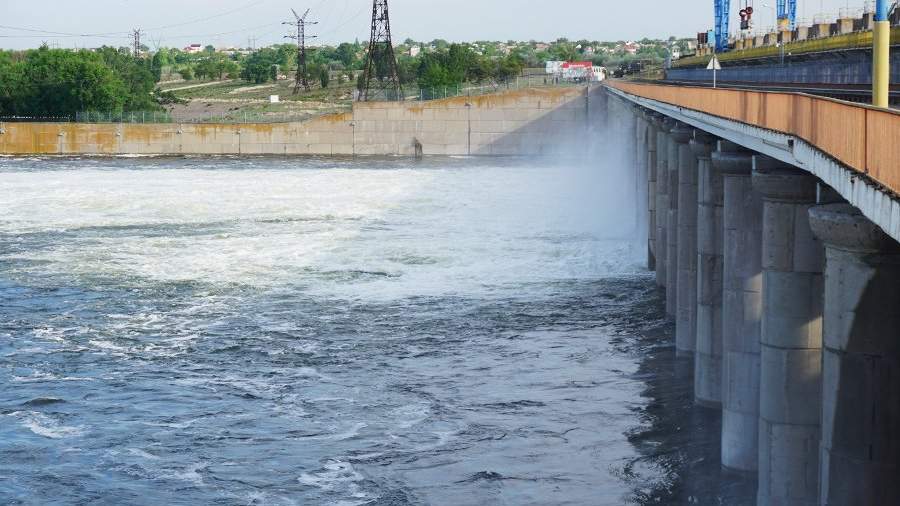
(324, 77)
(261, 66)
(47, 82)
(434, 76)
(347, 54)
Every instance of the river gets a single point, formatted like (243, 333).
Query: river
(336, 331)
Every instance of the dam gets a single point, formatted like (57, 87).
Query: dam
(339, 326)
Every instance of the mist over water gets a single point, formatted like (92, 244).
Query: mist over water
(320, 331)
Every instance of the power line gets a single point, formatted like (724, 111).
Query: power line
(61, 34)
(208, 18)
(300, 37)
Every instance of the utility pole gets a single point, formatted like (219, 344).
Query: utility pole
(300, 37)
(136, 33)
(381, 80)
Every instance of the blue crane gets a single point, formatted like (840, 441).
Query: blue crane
(787, 14)
(723, 13)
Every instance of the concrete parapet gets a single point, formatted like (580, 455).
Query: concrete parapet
(791, 337)
(710, 248)
(686, 247)
(741, 307)
(861, 364)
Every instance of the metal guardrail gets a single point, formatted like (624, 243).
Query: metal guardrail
(861, 137)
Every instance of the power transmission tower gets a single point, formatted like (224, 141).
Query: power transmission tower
(300, 37)
(137, 42)
(381, 80)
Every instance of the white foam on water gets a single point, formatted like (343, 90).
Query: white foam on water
(411, 415)
(42, 377)
(340, 477)
(190, 474)
(45, 426)
(137, 452)
(356, 234)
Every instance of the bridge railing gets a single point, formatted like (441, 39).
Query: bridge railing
(861, 137)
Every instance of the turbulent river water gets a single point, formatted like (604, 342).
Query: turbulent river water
(346, 332)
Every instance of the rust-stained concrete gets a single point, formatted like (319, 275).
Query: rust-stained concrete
(517, 122)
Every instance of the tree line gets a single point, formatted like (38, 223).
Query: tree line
(57, 82)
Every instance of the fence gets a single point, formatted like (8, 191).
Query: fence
(861, 137)
(461, 90)
(232, 117)
(35, 119)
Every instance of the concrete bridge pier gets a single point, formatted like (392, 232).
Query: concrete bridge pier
(662, 200)
(710, 248)
(650, 148)
(672, 223)
(686, 246)
(791, 338)
(741, 307)
(861, 364)
(642, 186)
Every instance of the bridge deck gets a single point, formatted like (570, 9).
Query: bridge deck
(860, 137)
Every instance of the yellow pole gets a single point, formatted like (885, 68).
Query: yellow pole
(881, 55)
(881, 66)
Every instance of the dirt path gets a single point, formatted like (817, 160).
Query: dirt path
(192, 86)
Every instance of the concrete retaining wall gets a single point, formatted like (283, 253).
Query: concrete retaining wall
(524, 122)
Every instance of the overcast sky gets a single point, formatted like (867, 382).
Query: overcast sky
(177, 23)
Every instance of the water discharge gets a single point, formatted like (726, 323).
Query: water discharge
(348, 332)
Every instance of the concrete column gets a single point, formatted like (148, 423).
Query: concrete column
(650, 147)
(791, 338)
(741, 307)
(861, 363)
(672, 224)
(641, 180)
(662, 199)
(686, 298)
(710, 247)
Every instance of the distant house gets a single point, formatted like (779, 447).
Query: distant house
(194, 48)
(541, 46)
(589, 51)
(414, 51)
(631, 47)
(554, 67)
(578, 71)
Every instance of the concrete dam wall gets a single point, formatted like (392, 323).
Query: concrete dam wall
(525, 122)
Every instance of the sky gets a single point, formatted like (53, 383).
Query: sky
(223, 23)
